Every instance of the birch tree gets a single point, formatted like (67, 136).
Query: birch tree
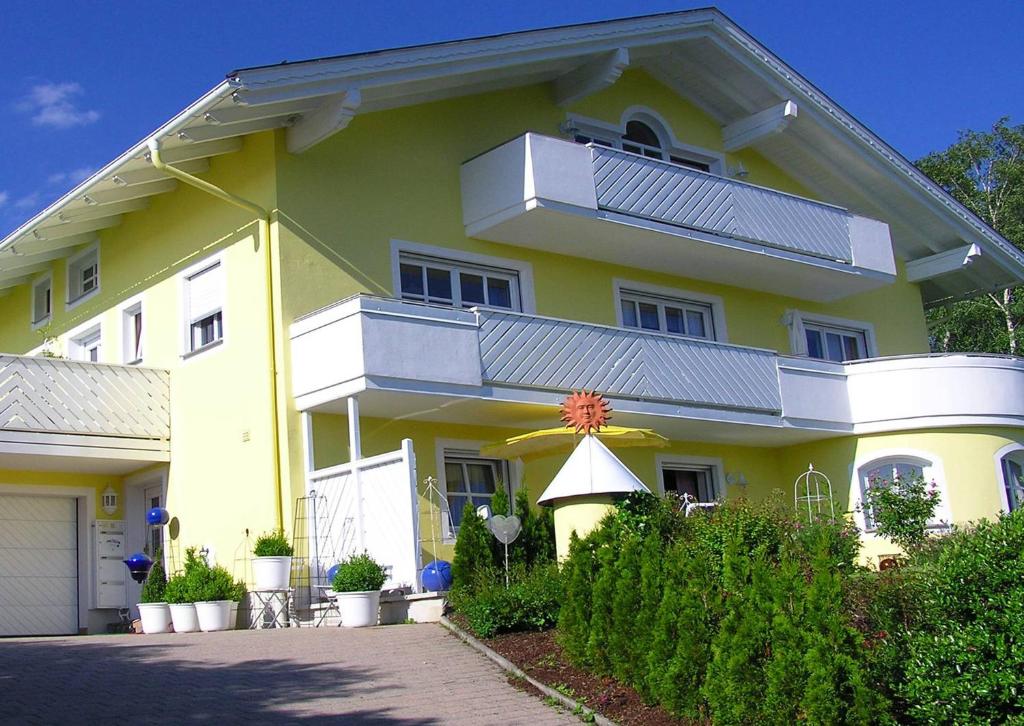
(983, 170)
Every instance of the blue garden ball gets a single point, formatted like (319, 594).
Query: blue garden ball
(157, 516)
(331, 573)
(437, 576)
(139, 565)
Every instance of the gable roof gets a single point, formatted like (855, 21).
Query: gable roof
(700, 54)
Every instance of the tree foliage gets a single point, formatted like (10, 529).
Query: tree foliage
(984, 171)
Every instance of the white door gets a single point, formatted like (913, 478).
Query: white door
(38, 565)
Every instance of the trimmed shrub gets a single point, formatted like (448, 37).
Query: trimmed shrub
(359, 573)
(531, 602)
(272, 544)
(156, 581)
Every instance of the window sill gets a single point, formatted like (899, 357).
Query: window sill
(72, 303)
(42, 322)
(198, 351)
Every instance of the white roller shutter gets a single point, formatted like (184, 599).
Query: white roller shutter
(38, 565)
(205, 292)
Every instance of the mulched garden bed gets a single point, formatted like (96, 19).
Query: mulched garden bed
(541, 657)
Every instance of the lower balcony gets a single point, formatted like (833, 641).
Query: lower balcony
(409, 360)
(59, 414)
(607, 204)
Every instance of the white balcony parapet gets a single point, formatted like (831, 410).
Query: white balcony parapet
(601, 203)
(55, 396)
(463, 358)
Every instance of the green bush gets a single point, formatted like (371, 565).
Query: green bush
(272, 544)
(199, 582)
(901, 509)
(359, 573)
(156, 581)
(474, 554)
(531, 602)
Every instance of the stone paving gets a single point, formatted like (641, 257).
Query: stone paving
(400, 674)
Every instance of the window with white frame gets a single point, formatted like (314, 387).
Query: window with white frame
(470, 479)
(204, 307)
(834, 343)
(131, 319)
(42, 300)
(83, 275)
(889, 472)
(677, 316)
(87, 345)
(1013, 479)
(459, 284)
(641, 135)
(699, 481)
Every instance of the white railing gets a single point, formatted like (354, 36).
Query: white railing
(369, 505)
(57, 396)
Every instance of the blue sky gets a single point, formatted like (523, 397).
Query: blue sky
(84, 81)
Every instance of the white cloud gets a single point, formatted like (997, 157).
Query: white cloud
(53, 105)
(72, 177)
(4, 196)
(28, 201)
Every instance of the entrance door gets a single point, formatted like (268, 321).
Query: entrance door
(153, 497)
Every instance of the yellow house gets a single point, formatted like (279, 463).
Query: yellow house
(323, 283)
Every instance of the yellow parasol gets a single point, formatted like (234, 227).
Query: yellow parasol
(546, 442)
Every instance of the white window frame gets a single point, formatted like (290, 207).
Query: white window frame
(75, 296)
(81, 342)
(671, 146)
(670, 295)
(468, 449)
(796, 321)
(710, 464)
(130, 353)
(459, 258)
(47, 279)
(1016, 452)
(932, 470)
(185, 320)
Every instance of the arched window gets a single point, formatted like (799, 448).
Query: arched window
(642, 132)
(885, 471)
(1013, 479)
(642, 139)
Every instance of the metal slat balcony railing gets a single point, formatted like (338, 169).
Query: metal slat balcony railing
(657, 190)
(526, 350)
(58, 396)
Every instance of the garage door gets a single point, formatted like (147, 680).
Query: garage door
(38, 565)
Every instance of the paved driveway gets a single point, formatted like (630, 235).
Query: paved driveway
(401, 674)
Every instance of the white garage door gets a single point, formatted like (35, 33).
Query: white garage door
(38, 565)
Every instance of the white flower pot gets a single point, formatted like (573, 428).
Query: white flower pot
(215, 615)
(358, 609)
(155, 616)
(183, 615)
(271, 573)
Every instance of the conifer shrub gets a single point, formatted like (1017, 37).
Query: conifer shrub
(156, 581)
(474, 556)
(531, 602)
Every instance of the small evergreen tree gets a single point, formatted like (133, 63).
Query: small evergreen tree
(652, 585)
(499, 503)
(474, 558)
(602, 598)
(574, 619)
(785, 674)
(156, 581)
(625, 605)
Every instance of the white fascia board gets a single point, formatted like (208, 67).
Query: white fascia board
(942, 263)
(747, 131)
(594, 75)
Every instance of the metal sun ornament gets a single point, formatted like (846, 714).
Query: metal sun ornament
(586, 411)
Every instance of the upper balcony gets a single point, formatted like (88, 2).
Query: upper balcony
(106, 418)
(606, 204)
(499, 368)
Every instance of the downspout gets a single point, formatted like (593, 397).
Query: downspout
(263, 217)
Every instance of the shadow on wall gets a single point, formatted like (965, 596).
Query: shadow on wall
(145, 679)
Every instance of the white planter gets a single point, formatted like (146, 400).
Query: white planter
(271, 573)
(215, 615)
(155, 616)
(358, 609)
(183, 615)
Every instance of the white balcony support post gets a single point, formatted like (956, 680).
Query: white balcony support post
(593, 76)
(308, 457)
(741, 134)
(925, 268)
(355, 452)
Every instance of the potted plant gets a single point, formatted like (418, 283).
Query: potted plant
(272, 562)
(356, 589)
(153, 609)
(179, 597)
(216, 597)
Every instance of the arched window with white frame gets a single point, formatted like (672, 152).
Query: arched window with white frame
(1011, 473)
(890, 469)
